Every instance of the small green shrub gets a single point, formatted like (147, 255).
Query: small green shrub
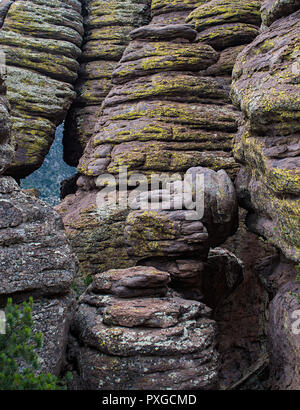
(19, 361)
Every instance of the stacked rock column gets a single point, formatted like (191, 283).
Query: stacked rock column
(41, 40)
(266, 88)
(107, 25)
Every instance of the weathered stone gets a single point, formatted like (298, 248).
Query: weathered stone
(265, 87)
(6, 147)
(273, 10)
(283, 334)
(107, 26)
(242, 316)
(35, 257)
(41, 41)
(161, 115)
(26, 224)
(151, 332)
(132, 282)
(53, 317)
(217, 12)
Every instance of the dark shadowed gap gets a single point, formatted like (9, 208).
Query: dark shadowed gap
(47, 179)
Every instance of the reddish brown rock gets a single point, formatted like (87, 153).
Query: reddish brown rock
(41, 48)
(157, 343)
(265, 87)
(107, 26)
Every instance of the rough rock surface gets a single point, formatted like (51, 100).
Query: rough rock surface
(283, 335)
(41, 40)
(266, 87)
(107, 25)
(35, 256)
(41, 264)
(143, 343)
(166, 113)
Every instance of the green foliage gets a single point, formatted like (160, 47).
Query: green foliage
(88, 280)
(19, 361)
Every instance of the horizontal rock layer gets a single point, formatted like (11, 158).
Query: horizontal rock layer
(142, 343)
(266, 87)
(107, 25)
(41, 41)
(167, 111)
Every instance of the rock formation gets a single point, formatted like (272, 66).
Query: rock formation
(169, 110)
(107, 25)
(266, 88)
(154, 116)
(135, 333)
(41, 40)
(35, 256)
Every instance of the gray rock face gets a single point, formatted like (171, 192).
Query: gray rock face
(35, 256)
(33, 240)
(107, 26)
(150, 342)
(273, 10)
(265, 87)
(41, 41)
(6, 147)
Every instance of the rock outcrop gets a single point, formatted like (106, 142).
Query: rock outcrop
(107, 25)
(166, 112)
(41, 41)
(266, 88)
(283, 336)
(134, 333)
(35, 256)
(171, 248)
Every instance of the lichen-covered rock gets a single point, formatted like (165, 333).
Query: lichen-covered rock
(36, 260)
(52, 317)
(272, 10)
(41, 41)
(132, 282)
(33, 240)
(166, 112)
(160, 232)
(149, 343)
(35, 256)
(265, 86)
(107, 26)
(226, 23)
